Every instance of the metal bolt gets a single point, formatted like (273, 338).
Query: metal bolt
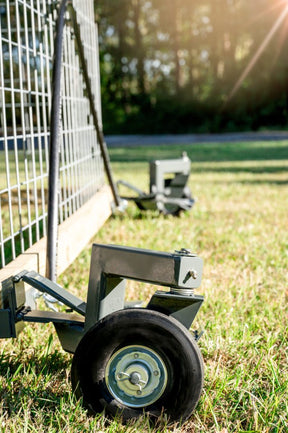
(193, 274)
(136, 355)
(139, 392)
(119, 376)
(185, 252)
(156, 373)
(135, 378)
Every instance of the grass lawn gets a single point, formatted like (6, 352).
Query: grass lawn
(239, 227)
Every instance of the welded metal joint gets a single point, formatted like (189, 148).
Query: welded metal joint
(111, 265)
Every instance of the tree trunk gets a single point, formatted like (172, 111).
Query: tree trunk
(139, 46)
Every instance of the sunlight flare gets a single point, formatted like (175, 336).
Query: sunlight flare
(259, 52)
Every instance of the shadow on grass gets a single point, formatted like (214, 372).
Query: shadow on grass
(45, 364)
(136, 214)
(261, 169)
(38, 386)
(263, 182)
(255, 182)
(206, 152)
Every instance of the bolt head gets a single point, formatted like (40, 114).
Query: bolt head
(193, 274)
(139, 392)
(185, 252)
(135, 378)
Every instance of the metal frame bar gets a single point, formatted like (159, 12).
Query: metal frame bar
(159, 168)
(111, 265)
(55, 122)
(45, 285)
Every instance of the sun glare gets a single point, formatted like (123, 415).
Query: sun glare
(276, 26)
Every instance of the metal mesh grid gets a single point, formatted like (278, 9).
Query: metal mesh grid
(26, 50)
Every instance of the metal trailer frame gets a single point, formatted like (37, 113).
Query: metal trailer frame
(168, 190)
(110, 267)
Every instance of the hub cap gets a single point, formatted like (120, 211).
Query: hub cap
(136, 376)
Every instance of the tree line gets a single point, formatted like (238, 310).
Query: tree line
(171, 66)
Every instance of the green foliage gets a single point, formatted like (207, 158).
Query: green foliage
(171, 66)
(207, 153)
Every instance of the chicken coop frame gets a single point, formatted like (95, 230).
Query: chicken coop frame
(26, 60)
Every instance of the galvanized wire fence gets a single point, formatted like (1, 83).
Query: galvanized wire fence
(26, 53)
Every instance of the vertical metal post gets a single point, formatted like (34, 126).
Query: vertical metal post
(52, 232)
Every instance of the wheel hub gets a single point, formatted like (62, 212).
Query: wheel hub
(136, 376)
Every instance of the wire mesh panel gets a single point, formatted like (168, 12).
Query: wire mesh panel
(26, 52)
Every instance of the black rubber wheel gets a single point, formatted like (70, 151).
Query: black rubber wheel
(174, 209)
(135, 361)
